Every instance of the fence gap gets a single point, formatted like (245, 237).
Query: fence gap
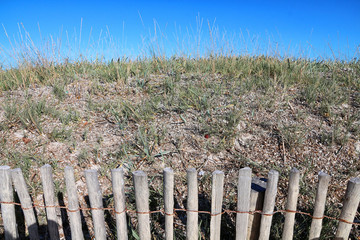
(73, 205)
(26, 203)
(142, 204)
(293, 193)
(50, 202)
(243, 203)
(217, 191)
(95, 197)
(8, 210)
(192, 227)
(319, 208)
(269, 204)
(169, 203)
(351, 203)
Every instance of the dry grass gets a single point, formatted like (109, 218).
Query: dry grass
(219, 112)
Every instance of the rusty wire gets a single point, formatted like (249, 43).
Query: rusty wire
(162, 211)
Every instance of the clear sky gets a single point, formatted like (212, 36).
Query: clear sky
(112, 28)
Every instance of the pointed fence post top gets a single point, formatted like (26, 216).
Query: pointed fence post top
(46, 166)
(245, 169)
(2, 168)
(118, 170)
(139, 173)
(323, 175)
(294, 170)
(16, 170)
(217, 172)
(355, 180)
(168, 170)
(273, 173)
(91, 171)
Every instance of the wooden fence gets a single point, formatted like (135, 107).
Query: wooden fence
(248, 225)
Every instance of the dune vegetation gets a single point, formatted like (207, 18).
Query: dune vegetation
(213, 111)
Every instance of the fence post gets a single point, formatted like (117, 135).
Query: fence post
(26, 204)
(217, 191)
(142, 204)
(291, 204)
(8, 210)
(49, 196)
(169, 203)
(73, 205)
(192, 228)
(351, 203)
(96, 202)
(243, 203)
(258, 188)
(118, 185)
(319, 207)
(269, 204)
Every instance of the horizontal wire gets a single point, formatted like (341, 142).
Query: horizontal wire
(181, 210)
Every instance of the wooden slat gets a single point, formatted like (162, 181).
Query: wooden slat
(142, 204)
(25, 200)
(243, 203)
(73, 205)
(118, 185)
(269, 204)
(351, 203)
(192, 228)
(319, 208)
(293, 193)
(258, 187)
(96, 201)
(8, 210)
(49, 196)
(169, 203)
(216, 204)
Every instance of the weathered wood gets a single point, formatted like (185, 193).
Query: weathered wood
(73, 205)
(192, 228)
(293, 193)
(243, 203)
(319, 208)
(96, 201)
(142, 204)
(7, 210)
(269, 204)
(118, 185)
(217, 191)
(351, 203)
(50, 202)
(25, 200)
(258, 187)
(169, 203)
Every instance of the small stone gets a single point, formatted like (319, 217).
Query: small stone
(2, 116)
(345, 105)
(237, 146)
(357, 147)
(246, 139)
(241, 126)
(19, 134)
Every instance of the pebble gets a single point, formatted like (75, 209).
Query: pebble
(357, 147)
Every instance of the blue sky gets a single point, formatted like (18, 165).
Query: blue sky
(115, 28)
